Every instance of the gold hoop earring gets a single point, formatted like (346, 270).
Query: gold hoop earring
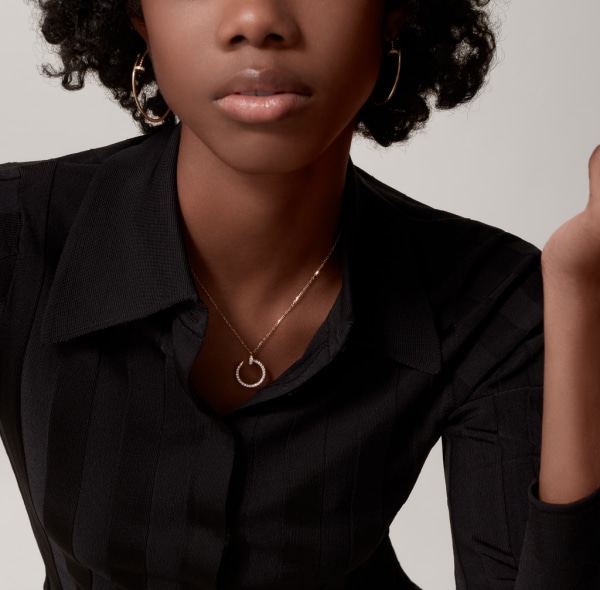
(138, 66)
(392, 52)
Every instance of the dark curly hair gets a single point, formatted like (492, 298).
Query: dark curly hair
(447, 48)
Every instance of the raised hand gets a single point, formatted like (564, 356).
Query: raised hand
(573, 251)
(570, 466)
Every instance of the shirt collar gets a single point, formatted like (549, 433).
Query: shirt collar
(125, 258)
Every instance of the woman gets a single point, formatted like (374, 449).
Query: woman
(188, 403)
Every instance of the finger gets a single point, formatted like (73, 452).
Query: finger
(594, 172)
(590, 217)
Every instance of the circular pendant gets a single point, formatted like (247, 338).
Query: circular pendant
(251, 361)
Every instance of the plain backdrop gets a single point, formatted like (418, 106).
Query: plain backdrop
(515, 158)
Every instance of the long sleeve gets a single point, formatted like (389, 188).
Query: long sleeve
(10, 224)
(504, 537)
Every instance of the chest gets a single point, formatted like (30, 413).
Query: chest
(122, 461)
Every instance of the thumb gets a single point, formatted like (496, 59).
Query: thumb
(594, 173)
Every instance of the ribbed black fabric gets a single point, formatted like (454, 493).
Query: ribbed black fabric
(132, 482)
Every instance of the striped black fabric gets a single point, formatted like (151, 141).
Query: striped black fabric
(131, 482)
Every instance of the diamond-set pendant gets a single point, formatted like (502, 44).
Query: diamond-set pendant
(251, 361)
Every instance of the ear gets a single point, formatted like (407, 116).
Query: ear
(140, 26)
(393, 22)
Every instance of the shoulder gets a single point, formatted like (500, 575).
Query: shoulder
(89, 156)
(482, 288)
(25, 186)
(446, 247)
(12, 173)
(428, 224)
(21, 181)
(32, 193)
(482, 284)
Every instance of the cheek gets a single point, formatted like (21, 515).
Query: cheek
(179, 50)
(352, 51)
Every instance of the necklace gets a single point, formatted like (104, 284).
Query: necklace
(251, 358)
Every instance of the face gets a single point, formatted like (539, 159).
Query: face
(265, 85)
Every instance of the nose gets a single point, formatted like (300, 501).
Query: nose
(258, 23)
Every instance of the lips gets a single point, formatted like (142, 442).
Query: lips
(259, 93)
(262, 82)
(256, 96)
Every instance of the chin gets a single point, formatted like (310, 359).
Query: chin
(277, 149)
(270, 154)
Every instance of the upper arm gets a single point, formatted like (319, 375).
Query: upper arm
(492, 438)
(10, 227)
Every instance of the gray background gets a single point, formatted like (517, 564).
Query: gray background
(515, 158)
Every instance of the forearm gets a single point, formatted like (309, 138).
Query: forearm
(570, 462)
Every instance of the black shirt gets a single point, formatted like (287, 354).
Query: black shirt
(132, 482)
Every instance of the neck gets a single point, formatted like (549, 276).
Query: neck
(257, 232)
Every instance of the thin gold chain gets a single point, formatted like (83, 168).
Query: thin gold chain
(285, 313)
